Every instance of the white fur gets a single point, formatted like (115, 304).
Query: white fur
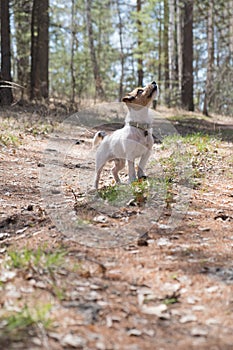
(126, 144)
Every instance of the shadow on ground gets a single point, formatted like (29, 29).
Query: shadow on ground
(190, 125)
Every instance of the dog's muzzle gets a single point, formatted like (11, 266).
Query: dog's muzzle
(155, 89)
(155, 85)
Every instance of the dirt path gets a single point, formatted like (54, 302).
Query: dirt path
(170, 289)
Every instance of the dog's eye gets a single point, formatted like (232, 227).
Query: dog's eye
(140, 91)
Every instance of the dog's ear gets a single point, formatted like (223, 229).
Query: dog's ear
(128, 98)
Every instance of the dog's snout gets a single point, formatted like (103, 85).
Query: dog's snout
(155, 85)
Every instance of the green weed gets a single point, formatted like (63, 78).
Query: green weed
(28, 317)
(39, 129)
(192, 155)
(8, 139)
(138, 192)
(110, 193)
(201, 141)
(59, 292)
(171, 301)
(39, 258)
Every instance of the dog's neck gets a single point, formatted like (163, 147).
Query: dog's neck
(138, 115)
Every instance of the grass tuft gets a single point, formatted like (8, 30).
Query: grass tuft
(29, 258)
(29, 317)
(8, 139)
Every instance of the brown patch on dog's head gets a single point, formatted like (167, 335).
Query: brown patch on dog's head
(141, 96)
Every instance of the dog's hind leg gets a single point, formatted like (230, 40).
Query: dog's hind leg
(142, 164)
(97, 177)
(132, 174)
(119, 164)
(102, 156)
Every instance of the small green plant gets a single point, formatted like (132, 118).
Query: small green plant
(140, 191)
(110, 193)
(8, 139)
(170, 300)
(202, 142)
(137, 192)
(19, 259)
(40, 129)
(192, 155)
(82, 222)
(54, 259)
(29, 317)
(39, 258)
(59, 292)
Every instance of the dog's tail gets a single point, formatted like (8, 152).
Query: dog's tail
(98, 138)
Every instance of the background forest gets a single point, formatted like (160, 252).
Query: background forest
(90, 49)
(142, 266)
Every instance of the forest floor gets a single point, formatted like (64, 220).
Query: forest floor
(164, 287)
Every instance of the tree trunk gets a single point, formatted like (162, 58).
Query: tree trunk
(179, 24)
(210, 59)
(98, 81)
(122, 56)
(39, 49)
(6, 97)
(230, 10)
(165, 50)
(160, 49)
(171, 48)
(22, 16)
(187, 72)
(72, 69)
(139, 53)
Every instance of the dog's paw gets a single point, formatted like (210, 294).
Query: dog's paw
(143, 177)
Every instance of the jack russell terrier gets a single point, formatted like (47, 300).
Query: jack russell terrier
(133, 141)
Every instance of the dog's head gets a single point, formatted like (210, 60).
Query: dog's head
(141, 96)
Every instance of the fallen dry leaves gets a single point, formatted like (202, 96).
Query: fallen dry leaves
(164, 290)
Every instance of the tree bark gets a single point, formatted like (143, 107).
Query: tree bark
(22, 18)
(39, 49)
(139, 53)
(187, 71)
(97, 77)
(210, 59)
(6, 97)
(72, 69)
(160, 48)
(122, 56)
(165, 50)
(171, 46)
(230, 10)
(179, 25)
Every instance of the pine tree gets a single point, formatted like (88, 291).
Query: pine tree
(187, 71)
(6, 96)
(22, 19)
(39, 49)
(95, 64)
(210, 59)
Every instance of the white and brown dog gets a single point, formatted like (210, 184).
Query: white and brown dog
(133, 141)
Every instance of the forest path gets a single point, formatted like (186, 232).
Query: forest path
(165, 290)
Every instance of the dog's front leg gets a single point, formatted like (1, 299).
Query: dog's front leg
(132, 173)
(142, 164)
